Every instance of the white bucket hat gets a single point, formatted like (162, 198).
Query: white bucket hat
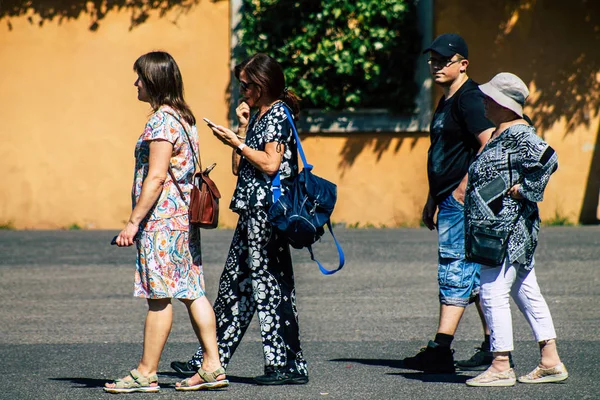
(508, 90)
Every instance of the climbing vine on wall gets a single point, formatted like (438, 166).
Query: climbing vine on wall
(338, 54)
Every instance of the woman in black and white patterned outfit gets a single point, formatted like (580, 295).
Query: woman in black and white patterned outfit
(506, 181)
(258, 274)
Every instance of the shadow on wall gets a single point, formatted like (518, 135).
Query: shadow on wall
(380, 143)
(552, 45)
(41, 11)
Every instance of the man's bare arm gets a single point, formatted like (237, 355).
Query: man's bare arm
(459, 192)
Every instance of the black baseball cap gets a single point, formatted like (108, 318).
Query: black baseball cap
(448, 45)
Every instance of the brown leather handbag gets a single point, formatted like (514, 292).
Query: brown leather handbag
(204, 203)
(204, 200)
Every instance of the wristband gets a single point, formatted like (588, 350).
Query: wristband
(239, 149)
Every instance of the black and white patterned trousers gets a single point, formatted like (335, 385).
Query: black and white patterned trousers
(258, 277)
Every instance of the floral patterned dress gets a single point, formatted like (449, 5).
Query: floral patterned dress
(169, 260)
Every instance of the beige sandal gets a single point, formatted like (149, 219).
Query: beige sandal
(489, 378)
(557, 373)
(138, 383)
(209, 378)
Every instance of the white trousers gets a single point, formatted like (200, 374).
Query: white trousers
(514, 280)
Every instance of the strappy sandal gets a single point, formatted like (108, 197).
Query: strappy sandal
(138, 383)
(209, 378)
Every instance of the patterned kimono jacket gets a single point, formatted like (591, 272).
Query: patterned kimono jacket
(516, 156)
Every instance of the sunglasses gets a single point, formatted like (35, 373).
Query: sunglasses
(442, 62)
(246, 85)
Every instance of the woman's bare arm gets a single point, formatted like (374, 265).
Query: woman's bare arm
(158, 166)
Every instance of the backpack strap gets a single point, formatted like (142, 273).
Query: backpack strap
(195, 157)
(340, 255)
(177, 185)
(276, 182)
(298, 143)
(197, 163)
(276, 188)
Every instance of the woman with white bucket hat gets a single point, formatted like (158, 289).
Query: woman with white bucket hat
(506, 181)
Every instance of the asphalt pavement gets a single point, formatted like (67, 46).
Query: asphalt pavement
(69, 323)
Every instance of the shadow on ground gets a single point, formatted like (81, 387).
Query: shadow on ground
(420, 376)
(439, 378)
(83, 382)
(373, 362)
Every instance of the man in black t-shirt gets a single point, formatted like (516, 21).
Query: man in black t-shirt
(459, 129)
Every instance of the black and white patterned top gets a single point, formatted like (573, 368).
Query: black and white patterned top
(253, 187)
(516, 156)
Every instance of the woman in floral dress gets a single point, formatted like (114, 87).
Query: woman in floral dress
(169, 261)
(258, 275)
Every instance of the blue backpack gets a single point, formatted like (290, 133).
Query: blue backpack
(303, 211)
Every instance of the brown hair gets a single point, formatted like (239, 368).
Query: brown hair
(162, 79)
(267, 73)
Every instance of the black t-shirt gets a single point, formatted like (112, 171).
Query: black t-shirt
(453, 133)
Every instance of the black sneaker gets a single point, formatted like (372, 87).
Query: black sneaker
(433, 359)
(184, 368)
(481, 360)
(279, 377)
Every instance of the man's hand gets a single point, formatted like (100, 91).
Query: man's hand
(459, 194)
(429, 213)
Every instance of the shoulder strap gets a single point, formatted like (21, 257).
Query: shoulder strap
(176, 184)
(277, 193)
(340, 255)
(276, 182)
(196, 158)
(298, 143)
(511, 184)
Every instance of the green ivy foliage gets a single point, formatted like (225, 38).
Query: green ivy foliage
(338, 54)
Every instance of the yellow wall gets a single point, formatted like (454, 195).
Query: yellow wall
(553, 46)
(381, 178)
(71, 117)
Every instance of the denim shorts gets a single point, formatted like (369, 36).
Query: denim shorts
(457, 277)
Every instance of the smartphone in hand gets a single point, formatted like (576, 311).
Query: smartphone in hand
(114, 240)
(213, 125)
(209, 122)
